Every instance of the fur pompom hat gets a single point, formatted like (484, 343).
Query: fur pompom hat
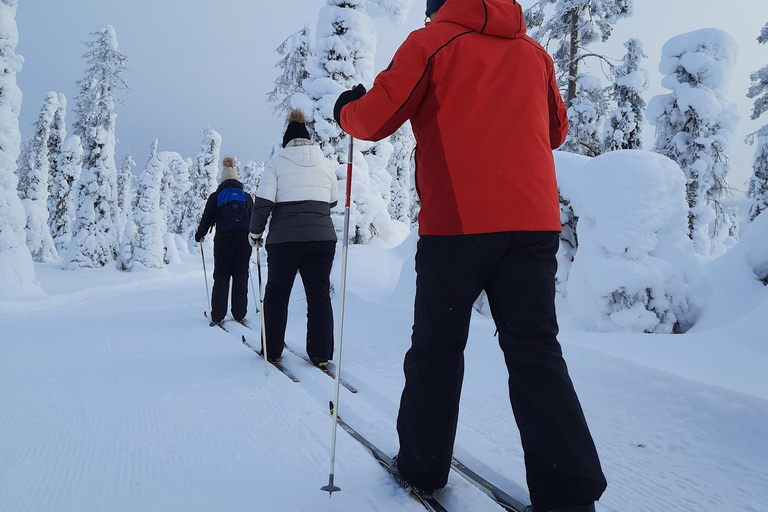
(229, 172)
(297, 128)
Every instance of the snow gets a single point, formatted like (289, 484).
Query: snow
(124, 399)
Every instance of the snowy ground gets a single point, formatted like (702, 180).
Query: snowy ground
(116, 396)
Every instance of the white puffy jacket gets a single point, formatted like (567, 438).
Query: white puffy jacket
(298, 188)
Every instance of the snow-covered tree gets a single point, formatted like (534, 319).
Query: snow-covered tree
(571, 26)
(177, 170)
(33, 190)
(202, 178)
(585, 117)
(295, 52)
(758, 183)
(17, 273)
(345, 46)
(400, 169)
(695, 125)
(55, 143)
(624, 129)
(95, 235)
(62, 204)
(125, 183)
(414, 193)
(149, 218)
(251, 176)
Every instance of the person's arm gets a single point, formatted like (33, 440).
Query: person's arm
(264, 200)
(395, 96)
(558, 115)
(208, 219)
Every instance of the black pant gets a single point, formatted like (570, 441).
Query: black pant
(231, 256)
(517, 272)
(313, 261)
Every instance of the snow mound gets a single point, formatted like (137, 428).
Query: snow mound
(634, 268)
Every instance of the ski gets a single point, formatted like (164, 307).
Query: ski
(430, 502)
(211, 323)
(276, 364)
(501, 498)
(328, 370)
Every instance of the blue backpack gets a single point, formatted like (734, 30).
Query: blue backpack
(234, 211)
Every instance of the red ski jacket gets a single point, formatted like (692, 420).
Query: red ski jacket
(486, 113)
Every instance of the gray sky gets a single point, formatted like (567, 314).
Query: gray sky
(195, 63)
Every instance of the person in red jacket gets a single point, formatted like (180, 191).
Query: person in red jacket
(486, 112)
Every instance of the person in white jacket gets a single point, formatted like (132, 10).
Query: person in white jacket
(298, 189)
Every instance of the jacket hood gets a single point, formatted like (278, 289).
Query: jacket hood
(305, 155)
(229, 183)
(501, 18)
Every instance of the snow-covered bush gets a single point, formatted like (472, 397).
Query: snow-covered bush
(17, 273)
(695, 125)
(635, 263)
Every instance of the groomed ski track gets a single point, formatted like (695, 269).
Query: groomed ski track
(117, 396)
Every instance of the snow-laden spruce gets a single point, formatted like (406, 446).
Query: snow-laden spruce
(202, 181)
(95, 233)
(345, 46)
(62, 203)
(758, 183)
(295, 51)
(176, 174)
(17, 273)
(635, 265)
(56, 138)
(251, 176)
(695, 126)
(624, 128)
(34, 166)
(149, 218)
(571, 27)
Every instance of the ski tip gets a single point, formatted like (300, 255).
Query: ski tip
(242, 337)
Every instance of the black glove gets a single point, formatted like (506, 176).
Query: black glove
(347, 97)
(199, 238)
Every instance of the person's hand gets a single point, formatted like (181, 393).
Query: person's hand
(199, 238)
(255, 240)
(347, 97)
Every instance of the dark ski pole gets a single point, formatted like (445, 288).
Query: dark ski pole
(331, 488)
(205, 273)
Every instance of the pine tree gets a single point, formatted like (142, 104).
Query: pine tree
(345, 46)
(96, 237)
(400, 169)
(61, 204)
(125, 183)
(17, 273)
(695, 124)
(758, 183)
(33, 190)
(296, 51)
(202, 177)
(623, 130)
(573, 25)
(55, 143)
(252, 176)
(149, 217)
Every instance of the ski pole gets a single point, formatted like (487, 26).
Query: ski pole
(345, 246)
(261, 313)
(205, 273)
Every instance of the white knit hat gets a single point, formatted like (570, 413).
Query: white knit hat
(229, 172)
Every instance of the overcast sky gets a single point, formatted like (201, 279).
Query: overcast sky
(195, 63)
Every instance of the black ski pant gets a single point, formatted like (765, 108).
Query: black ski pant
(231, 257)
(313, 262)
(517, 271)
